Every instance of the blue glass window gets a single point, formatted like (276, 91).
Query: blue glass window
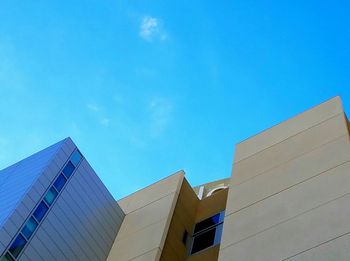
(203, 240)
(68, 169)
(76, 157)
(7, 257)
(29, 227)
(50, 196)
(17, 245)
(59, 183)
(207, 233)
(218, 234)
(40, 211)
(214, 220)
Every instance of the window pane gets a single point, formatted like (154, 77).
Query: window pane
(206, 223)
(40, 211)
(68, 169)
(59, 183)
(76, 157)
(203, 240)
(7, 257)
(50, 196)
(29, 228)
(17, 245)
(218, 234)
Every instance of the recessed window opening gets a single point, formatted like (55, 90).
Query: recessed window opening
(29, 227)
(68, 169)
(17, 245)
(76, 157)
(59, 183)
(40, 211)
(50, 196)
(7, 257)
(207, 233)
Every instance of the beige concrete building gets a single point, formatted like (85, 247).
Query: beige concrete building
(288, 198)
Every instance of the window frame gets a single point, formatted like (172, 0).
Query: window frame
(217, 235)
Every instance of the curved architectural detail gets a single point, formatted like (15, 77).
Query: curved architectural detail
(211, 192)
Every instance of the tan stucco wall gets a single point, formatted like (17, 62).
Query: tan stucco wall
(289, 193)
(145, 226)
(188, 211)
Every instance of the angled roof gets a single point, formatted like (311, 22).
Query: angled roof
(17, 179)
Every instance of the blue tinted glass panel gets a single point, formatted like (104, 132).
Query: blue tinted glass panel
(206, 223)
(218, 234)
(68, 169)
(40, 211)
(76, 157)
(29, 228)
(17, 245)
(50, 196)
(222, 216)
(59, 183)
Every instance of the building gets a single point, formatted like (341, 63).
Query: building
(288, 199)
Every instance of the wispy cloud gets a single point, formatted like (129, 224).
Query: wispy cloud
(93, 107)
(99, 113)
(151, 28)
(118, 99)
(12, 77)
(160, 114)
(105, 121)
(139, 122)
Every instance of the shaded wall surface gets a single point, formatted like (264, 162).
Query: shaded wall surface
(289, 193)
(190, 210)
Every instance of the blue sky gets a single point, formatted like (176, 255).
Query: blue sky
(146, 88)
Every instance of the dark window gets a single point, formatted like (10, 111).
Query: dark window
(76, 157)
(59, 183)
(68, 169)
(50, 196)
(7, 257)
(206, 223)
(207, 233)
(40, 211)
(203, 240)
(17, 245)
(29, 227)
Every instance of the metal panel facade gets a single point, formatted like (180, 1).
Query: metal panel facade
(81, 224)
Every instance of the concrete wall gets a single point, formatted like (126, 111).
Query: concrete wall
(148, 215)
(289, 195)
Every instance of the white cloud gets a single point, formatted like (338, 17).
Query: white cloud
(93, 107)
(151, 28)
(105, 122)
(99, 113)
(161, 110)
